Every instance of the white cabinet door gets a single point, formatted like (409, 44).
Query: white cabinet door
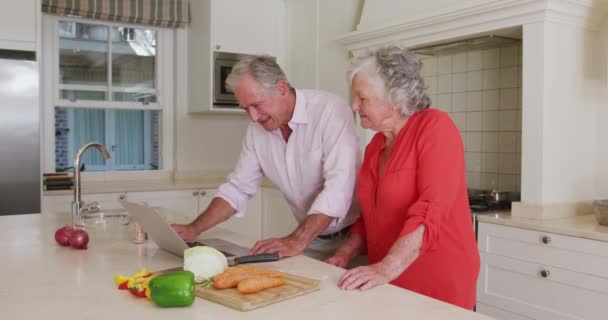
(566, 252)
(176, 204)
(250, 224)
(245, 26)
(18, 24)
(277, 218)
(498, 314)
(540, 291)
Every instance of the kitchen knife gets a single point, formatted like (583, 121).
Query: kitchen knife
(263, 257)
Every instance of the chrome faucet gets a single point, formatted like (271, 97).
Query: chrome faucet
(78, 205)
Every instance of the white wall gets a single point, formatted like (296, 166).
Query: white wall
(315, 60)
(564, 91)
(208, 143)
(602, 120)
(382, 12)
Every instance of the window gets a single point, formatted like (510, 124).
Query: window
(108, 83)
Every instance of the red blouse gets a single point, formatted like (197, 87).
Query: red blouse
(423, 183)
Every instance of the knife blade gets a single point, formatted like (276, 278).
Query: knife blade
(254, 258)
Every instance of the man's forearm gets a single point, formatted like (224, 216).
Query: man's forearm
(311, 227)
(353, 246)
(217, 212)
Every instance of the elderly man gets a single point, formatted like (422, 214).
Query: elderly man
(305, 142)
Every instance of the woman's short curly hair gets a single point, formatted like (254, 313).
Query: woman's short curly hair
(395, 72)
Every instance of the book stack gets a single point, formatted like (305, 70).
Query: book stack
(57, 181)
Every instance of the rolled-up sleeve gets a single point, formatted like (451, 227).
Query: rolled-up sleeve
(341, 160)
(439, 176)
(244, 182)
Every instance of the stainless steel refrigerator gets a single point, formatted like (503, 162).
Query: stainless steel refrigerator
(20, 179)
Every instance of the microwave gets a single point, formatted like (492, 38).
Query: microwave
(223, 97)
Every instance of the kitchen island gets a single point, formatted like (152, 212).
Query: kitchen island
(44, 280)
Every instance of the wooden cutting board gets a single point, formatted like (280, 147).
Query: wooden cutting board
(294, 286)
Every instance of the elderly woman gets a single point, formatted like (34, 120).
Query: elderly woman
(415, 223)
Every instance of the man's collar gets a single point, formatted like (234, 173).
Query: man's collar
(300, 112)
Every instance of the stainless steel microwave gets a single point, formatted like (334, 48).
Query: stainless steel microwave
(223, 97)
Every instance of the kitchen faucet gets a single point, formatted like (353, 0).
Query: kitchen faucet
(78, 205)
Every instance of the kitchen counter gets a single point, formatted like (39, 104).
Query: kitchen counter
(41, 279)
(584, 226)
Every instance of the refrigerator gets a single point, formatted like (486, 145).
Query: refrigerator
(20, 178)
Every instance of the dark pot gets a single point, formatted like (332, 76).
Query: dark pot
(496, 197)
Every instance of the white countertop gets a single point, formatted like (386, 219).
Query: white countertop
(41, 279)
(584, 226)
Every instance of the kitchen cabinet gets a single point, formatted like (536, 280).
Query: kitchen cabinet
(183, 206)
(18, 24)
(277, 220)
(234, 26)
(249, 224)
(63, 203)
(541, 275)
(267, 215)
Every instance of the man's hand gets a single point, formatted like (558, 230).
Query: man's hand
(186, 231)
(338, 260)
(367, 277)
(285, 247)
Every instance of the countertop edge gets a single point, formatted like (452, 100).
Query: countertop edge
(584, 226)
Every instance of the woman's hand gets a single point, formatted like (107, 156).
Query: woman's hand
(367, 277)
(338, 260)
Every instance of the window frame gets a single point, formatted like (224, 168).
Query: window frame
(165, 100)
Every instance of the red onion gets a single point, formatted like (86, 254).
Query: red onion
(62, 235)
(79, 239)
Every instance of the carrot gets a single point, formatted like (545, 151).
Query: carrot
(256, 284)
(254, 270)
(231, 277)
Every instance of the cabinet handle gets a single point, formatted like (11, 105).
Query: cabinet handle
(203, 193)
(546, 239)
(121, 197)
(217, 46)
(195, 193)
(545, 273)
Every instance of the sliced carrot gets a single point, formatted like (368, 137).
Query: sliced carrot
(256, 284)
(225, 281)
(254, 270)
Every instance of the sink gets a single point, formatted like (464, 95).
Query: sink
(118, 217)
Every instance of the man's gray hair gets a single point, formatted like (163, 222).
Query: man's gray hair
(263, 69)
(394, 71)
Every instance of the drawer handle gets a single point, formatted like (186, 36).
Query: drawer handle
(195, 193)
(545, 273)
(546, 239)
(203, 193)
(121, 197)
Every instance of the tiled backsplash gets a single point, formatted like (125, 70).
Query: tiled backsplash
(481, 90)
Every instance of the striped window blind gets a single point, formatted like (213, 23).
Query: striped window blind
(159, 13)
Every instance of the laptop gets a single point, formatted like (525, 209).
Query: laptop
(167, 238)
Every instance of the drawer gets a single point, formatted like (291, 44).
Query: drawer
(566, 252)
(498, 313)
(519, 287)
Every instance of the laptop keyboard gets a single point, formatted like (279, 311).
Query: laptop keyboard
(198, 244)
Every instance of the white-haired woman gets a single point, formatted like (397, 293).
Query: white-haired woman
(415, 223)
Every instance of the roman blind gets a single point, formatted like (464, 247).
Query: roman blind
(159, 13)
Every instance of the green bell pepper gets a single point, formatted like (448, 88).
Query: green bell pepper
(174, 289)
